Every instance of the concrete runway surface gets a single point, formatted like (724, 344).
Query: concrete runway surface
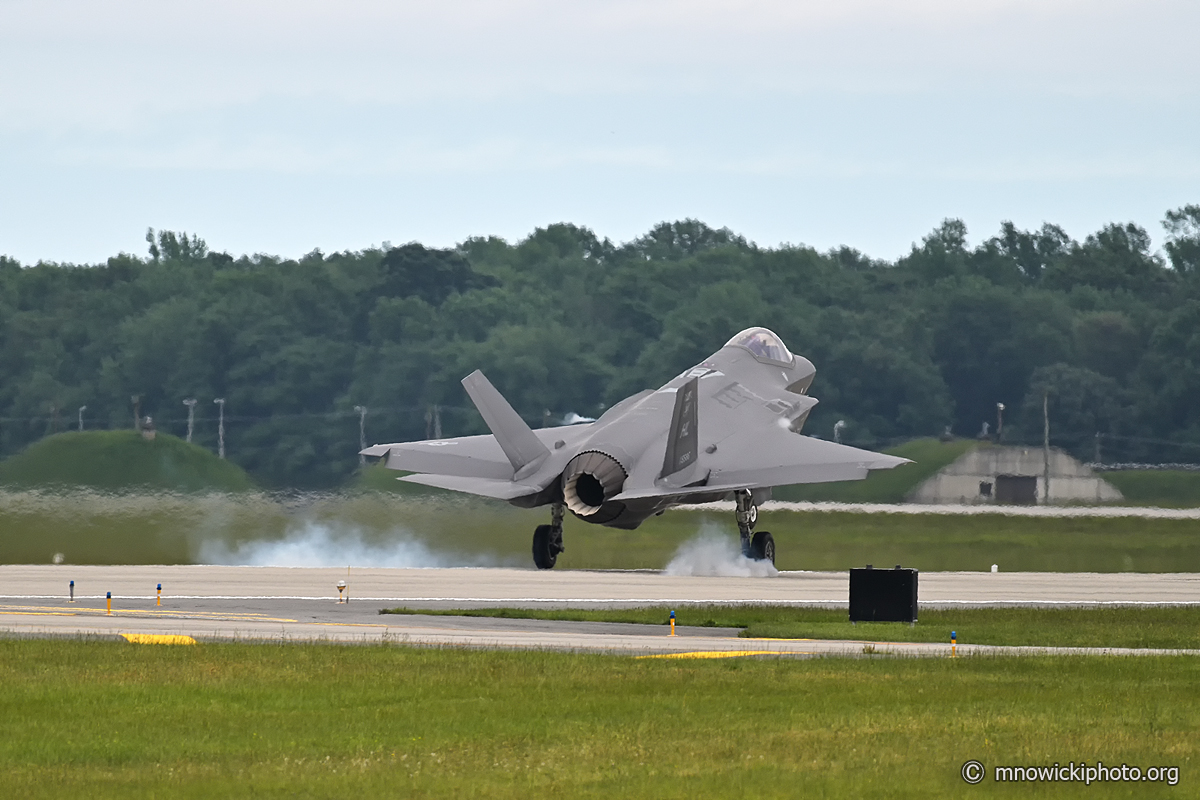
(300, 604)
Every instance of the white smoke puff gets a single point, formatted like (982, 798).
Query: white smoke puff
(713, 554)
(317, 545)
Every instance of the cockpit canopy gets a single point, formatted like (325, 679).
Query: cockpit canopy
(764, 346)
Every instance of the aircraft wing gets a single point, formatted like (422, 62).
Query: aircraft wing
(774, 457)
(726, 434)
(785, 458)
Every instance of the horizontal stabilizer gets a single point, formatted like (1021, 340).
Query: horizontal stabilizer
(500, 490)
(467, 456)
(520, 444)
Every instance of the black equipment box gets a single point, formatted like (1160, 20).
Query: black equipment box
(883, 595)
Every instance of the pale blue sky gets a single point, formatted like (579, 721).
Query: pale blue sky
(283, 126)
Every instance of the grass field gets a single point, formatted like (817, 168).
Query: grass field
(121, 461)
(371, 528)
(1161, 488)
(1176, 628)
(108, 720)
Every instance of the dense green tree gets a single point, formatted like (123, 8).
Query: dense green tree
(1183, 244)
(564, 320)
(1081, 404)
(1116, 257)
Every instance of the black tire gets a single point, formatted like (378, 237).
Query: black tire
(545, 550)
(762, 547)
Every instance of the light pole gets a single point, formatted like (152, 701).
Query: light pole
(220, 401)
(362, 434)
(999, 421)
(81, 410)
(1046, 447)
(191, 404)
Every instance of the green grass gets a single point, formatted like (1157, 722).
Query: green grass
(1162, 488)
(103, 720)
(179, 528)
(120, 460)
(929, 456)
(1165, 627)
(839, 540)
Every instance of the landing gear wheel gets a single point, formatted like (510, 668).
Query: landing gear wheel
(546, 546)
(762, 547)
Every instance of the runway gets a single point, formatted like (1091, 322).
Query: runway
(300, 604)
(467, 588)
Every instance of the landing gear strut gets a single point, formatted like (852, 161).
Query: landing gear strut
(548, 539)
(758, 546)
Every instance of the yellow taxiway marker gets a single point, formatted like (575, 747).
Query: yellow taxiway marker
(155, 638)
(81, 611)
(719, 654)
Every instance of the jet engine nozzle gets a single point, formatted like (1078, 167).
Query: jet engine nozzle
(589, 479)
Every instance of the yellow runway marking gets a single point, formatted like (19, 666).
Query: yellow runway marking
(82, 611)
(156, 638)
(723, 654)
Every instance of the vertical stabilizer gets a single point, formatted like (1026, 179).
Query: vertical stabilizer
(517, 440)
(683, 440)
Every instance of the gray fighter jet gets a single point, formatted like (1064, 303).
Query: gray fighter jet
(728, 427)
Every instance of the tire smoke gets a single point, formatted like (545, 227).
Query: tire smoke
(713, 553)
(315, 544)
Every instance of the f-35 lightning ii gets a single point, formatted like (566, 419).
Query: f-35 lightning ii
(728, 427)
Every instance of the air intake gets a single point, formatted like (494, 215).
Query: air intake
(589, 479)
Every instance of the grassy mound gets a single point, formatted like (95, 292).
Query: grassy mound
(884, 486)
(1162, 488)
(118, 460)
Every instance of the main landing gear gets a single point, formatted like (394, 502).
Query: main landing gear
(758, 546)
(548, 539)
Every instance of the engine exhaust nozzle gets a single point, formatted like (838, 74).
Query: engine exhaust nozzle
(589, 480)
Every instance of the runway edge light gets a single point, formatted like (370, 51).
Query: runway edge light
(953, 644)
(72, 588)
(672, 622)
(159, 602)
(108, 599)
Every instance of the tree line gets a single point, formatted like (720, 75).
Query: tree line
(564, 321)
